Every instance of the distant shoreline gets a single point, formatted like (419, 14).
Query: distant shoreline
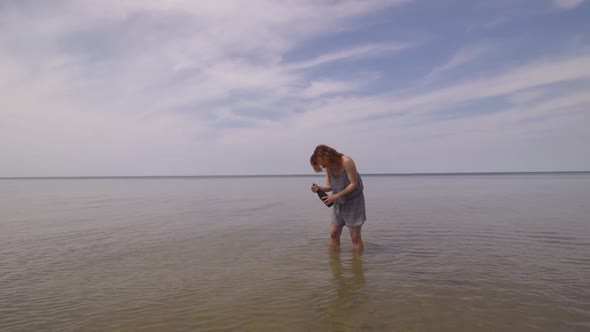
(292, 175)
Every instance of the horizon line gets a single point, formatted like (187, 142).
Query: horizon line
(286, 175)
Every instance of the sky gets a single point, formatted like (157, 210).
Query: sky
(179, 87)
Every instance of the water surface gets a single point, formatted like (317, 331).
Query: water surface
(443, 253)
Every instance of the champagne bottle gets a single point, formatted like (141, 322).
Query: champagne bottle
(321, 194)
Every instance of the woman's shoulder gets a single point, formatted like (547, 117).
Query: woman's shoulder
(346, 160)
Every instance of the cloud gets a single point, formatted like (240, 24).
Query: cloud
(184, 87)
(567, 4)
(327, 87)
(143, 87)
(514, 80)
(463, 56)
(512, 138)
(348, 54)
(529, 95)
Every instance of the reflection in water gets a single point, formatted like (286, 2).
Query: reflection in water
(348, 278)
(348, 305)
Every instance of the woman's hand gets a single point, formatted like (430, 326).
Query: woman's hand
(314, 187)
(329, 199)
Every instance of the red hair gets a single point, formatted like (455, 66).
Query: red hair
(325, 156)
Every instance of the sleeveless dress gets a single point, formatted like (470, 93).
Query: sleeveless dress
(348, 210)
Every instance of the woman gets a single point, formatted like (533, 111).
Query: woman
(346, 185)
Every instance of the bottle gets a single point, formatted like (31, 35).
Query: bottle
(321, 194)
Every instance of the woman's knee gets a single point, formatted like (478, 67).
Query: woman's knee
(335, 232)
(355, 235)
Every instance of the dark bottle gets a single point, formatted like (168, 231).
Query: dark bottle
(321, 194)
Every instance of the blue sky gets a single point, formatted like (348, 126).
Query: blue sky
(181, 87)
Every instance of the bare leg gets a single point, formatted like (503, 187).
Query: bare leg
(357, 241)
(335, 232)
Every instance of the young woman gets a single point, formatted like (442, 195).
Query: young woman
(346, 185)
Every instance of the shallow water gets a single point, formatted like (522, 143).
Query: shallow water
(443, 253)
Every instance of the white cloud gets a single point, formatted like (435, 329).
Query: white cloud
(540, 73)
(529, 95)
(96, 87)
(463, 56)
(538, 136)
(348, 54)
(567, 4)
(184, 87)
(327, 87)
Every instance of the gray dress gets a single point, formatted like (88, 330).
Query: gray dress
(348, 210)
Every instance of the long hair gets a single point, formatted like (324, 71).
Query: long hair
(324, 155)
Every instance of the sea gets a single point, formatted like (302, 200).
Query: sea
(443, 252)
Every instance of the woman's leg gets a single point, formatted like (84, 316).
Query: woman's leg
(357, 240)
(335, 232)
